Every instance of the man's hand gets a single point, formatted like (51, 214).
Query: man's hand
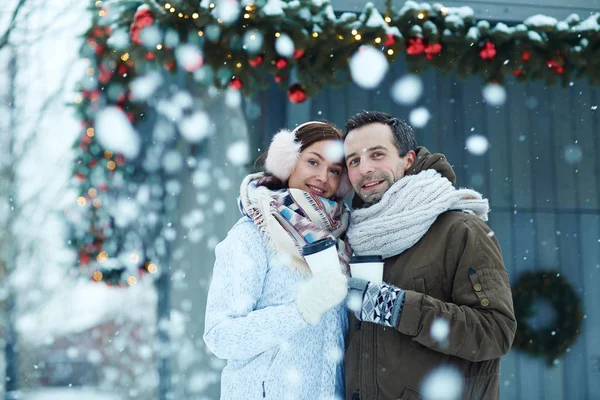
(376, 303)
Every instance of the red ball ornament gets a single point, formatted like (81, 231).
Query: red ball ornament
(255, 62)
(143, 18)
(518, 72)
(390, 41)
(235, 84)
(488, 51)
(296, 94)
(281, 63)
(298, 53)
(84, 258)
(415, 47)
(80, 176)
(526, 55)
(98, 32)
(122, 69)
(277, 78)
(150, 56)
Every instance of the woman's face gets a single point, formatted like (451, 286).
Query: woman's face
(316, 172)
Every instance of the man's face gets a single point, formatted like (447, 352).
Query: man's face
(373, 162)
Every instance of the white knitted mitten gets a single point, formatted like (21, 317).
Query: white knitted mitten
(320, 294)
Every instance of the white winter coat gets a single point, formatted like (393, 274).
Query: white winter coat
(253, 323)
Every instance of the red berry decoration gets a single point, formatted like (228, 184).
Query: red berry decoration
(526, 55)
(488, 51)
(296, 94)
(235, 84)
(415, 47)
(281, 63)
(390, 41)
(298, 53)
(255, 62)
(432, 49)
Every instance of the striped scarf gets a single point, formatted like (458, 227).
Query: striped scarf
(291, 218)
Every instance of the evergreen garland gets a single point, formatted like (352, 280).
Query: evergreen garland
(218, 47)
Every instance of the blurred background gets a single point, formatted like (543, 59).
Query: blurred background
(117, 181)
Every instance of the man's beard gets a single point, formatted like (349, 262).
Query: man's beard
(370, 198)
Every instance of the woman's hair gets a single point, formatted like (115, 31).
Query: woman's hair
(307, 135)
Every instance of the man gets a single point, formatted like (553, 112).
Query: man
(445, 301)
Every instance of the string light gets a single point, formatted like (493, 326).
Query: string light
(102, 13)
(357, 37)
(81, 201)
(92, 192)
(239, 65)
(98, 3)
(246, 16)
(131, 281)
(102, 256)
(388, 19)
(378, 40)
(97, 276)
(111, 165)
(90, 71)
(167, 6)
(152, 268)
(340, 37)
(315, 34)
(158, 46)
(252, 37)
(172, 9)
(195, 15)
(444, 10)
(97, 203)
(212, 5)
(277, 34)
(125, 57)
(390, 52)
(78, 98)
(200, 33)
(89, 132)
(134, 258)
(421, 15)
(180, 15)
(249, 7)
(108, 154)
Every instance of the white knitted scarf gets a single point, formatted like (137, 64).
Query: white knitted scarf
(407, 211)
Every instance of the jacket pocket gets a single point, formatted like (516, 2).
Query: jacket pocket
(410, 394)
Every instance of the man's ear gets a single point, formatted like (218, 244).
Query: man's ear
(410, 158)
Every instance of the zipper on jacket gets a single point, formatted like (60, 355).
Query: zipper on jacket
(264, 393)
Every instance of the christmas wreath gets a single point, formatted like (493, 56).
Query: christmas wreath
(554, 340)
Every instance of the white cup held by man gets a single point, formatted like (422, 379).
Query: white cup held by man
(368, 268)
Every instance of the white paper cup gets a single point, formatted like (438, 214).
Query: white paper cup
(368, 268)
(322, 256)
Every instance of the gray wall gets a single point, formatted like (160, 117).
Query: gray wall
(545, 210)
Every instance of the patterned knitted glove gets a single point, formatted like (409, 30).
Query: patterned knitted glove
(379, 303)
(320, 294)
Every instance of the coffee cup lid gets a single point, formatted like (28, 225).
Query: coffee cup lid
(366, 259)
(317, 246)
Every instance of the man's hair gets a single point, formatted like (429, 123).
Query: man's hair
(404, 136)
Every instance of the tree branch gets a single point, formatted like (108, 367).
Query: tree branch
(4, 38)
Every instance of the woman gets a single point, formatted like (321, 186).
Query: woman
(280, 327)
